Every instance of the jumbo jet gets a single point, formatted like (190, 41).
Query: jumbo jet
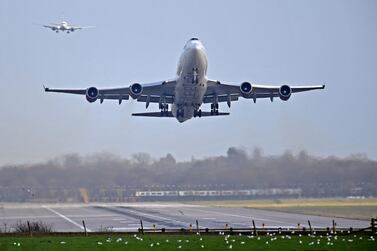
(188, 90)
(65, 27)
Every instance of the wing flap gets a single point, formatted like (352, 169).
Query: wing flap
(154, 114)
(209, 114)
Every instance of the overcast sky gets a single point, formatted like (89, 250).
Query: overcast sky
(290, 42)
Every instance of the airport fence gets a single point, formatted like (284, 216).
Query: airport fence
(226, 230)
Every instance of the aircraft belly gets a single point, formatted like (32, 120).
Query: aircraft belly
(188, 98)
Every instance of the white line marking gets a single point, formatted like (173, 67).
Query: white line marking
(66, 218)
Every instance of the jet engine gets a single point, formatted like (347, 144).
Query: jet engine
(285, 92)
(92, 94)
(135, 90)
(246, 89)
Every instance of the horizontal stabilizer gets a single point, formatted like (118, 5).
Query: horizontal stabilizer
(170, 114)
(154, 114)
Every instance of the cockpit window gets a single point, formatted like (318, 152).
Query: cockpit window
(194, 39)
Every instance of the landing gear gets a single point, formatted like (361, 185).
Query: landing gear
(215, 109)
(164, 109)
(180, 113)
(197, 113)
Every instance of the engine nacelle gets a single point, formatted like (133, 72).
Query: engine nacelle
(135, 90)
(246, 89)
(92, 94)
(285, 92)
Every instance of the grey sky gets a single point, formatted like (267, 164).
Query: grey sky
(294, 42)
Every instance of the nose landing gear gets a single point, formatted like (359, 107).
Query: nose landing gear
(180, 113)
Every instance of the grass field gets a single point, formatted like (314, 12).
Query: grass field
(189, 242)
(335, 207)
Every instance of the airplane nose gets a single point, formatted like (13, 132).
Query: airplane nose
(197, 50)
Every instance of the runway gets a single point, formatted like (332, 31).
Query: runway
(127, 216)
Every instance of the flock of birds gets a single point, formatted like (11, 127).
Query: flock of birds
(231, 241)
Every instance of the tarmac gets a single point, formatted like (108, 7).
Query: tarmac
(126, 217)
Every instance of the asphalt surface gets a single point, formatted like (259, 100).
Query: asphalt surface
(127, 216)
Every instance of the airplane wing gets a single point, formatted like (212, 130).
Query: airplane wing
(52, 27)
(82, 27)
(228, 93)
(157, 92)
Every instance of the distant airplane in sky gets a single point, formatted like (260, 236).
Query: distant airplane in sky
(189, 89)
(65, 27)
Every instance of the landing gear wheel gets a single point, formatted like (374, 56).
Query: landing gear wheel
(198, 113)
(180, 113)
(164, 109)
(215, 109)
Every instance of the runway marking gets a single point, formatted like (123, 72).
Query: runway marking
(164, 218)
(67, 219)
(154, 216)
(235, 215)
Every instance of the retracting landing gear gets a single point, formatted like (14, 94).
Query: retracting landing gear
(164, 109)
(197, 113)
(180, 113)
(215, 109)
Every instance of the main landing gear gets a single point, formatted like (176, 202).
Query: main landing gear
(197, 113)
(215, 109)
(164, 109)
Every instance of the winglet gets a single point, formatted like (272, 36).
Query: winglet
(324, 85)
(46, 88)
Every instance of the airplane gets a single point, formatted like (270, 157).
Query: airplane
(65, 27)
(188, 90)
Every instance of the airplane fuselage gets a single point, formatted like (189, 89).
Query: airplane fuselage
(191, 81)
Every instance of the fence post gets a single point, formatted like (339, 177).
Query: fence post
(310, 226)
(255, 229)
(197, 226)
(29, 229)
(83, 223)
(373, 225)
(142, 228)
(333, 226)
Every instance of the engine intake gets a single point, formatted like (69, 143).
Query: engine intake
(285, 92)
(246, 89)
(92, 94)
(135, 90)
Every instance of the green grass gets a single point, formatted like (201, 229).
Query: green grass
(187, 242)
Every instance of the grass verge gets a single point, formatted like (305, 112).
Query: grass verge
(189, 242)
